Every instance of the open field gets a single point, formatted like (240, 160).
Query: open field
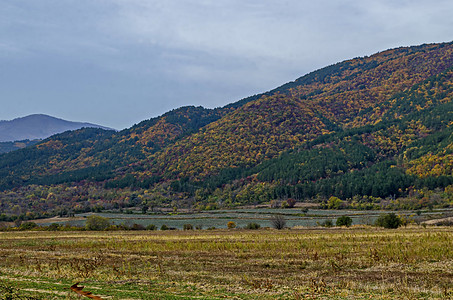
(219, 218)
(346, 263)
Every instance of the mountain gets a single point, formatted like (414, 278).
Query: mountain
(37, 126)
(367, 132)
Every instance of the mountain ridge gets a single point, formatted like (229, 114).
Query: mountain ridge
(38, 126)
(376, 127)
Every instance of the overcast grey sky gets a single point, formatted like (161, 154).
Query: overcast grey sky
(118, 62)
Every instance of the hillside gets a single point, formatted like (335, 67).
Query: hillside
(349, 94)
(372, 131)
(37, 126)
(11, 146)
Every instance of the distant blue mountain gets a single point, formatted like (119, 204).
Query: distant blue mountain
(38, 126)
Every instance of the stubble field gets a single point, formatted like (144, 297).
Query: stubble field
(338, 263)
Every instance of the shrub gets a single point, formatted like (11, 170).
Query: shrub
(390, 221)
(28, 226)
(291, 202)
(54, 227)
(199, 227)
(278, 222)
(344, 221)
(327, 223)
(253, 226)
(334, 203)
(95, 222)
(137, 227)
(447, 222)
(231, 225)
(164, 227)
(151, 227)
(187, 227)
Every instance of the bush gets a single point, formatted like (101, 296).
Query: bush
(253, 226)
(187, 227)
(291, 202)
(28, 226)
(97, 223)
(231, 225)
(327, 223)
(344, 221)
(151, 227)
(278, 222)
(390, 221)
(199, 227)
(164, 227)
(334, 203)
(54, 227)
(137, 227)
(445, 223)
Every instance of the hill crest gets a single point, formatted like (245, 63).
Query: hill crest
(38, 126)
(367, 130)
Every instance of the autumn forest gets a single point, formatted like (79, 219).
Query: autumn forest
(374, 132)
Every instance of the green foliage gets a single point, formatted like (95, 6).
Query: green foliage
(390, 221)
(334, 203)
(305, 166)
(344, 221)
(98, 223)
(188, 227)
(327, 223)
(164, 227)
(151, 227)
(54, 227)
(9, 292)
(28, 226)
(253, 226)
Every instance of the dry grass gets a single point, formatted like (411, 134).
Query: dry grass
(355, 263)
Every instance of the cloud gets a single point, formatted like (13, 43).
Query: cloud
(160, 55)
(285, 35)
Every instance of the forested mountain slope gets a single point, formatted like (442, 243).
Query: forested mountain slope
(6, 147)
(349, 94)
(377, 126)
(97, 154)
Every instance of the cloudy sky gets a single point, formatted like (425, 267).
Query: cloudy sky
(117, 62)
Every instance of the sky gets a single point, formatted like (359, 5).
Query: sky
(118, 62)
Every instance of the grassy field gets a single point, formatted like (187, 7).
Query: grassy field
(349, 263)
(242, 217)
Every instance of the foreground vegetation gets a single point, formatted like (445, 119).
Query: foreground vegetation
(337, 263)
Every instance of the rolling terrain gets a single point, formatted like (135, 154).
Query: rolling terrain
(22, 132)
(371, 131)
